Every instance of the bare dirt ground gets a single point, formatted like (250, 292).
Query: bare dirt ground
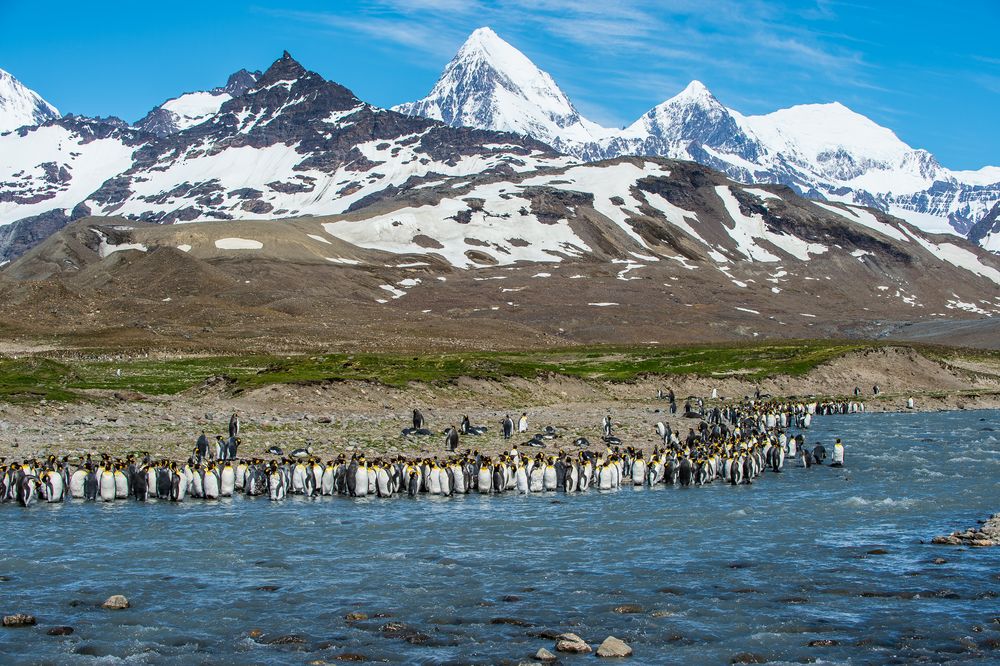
(344, 416)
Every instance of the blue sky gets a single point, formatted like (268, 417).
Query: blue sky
(928, 70)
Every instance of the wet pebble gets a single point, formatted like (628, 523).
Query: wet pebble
(60, 631)
(747, 658)
(544, 655)
(823, 642)
(355, 617)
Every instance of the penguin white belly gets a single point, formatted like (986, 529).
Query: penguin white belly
(638, 473)
(459, 475)
(76, 483)
(521, 481)
(445, 483)
(536, 481)
(210, 486)
(151, 480)
(549, 478)
(107, 486)
(485, 480)
(383, 483)
(275, 486)
(227, 482)
(183, 484)
(241, 476)
(606, 477)
(434, 481)
(56, 485)
(326, 485)
(299, 479)
(121, 486)
(361, 482)
(572, 477)
(196, 487)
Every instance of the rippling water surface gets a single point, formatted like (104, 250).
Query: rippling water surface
(713, 571)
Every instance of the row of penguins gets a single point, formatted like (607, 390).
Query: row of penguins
(735, 444)
(736, 460)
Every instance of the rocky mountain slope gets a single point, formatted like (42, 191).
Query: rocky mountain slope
(633, 250)
(824, 151)
(20, 106)
(290, 144)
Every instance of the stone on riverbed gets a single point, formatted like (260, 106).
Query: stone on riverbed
(115, 602)
(572, 643)
(19, 620)
(614, 647)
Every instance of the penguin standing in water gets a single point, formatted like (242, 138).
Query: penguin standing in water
(77, 483)
(507, 425)
(361, 478)
(838, 454)
(685, 471)
(27, 489)
(227, 480)
(210, 483)
(178, 486)
(91, 484)
(107, 485)
(276, 483)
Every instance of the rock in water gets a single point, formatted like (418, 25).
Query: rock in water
(544, 655)
(572, 643)
(60, 631)
(19, 620)
(116, 602)
(986, 535)
(614, 647)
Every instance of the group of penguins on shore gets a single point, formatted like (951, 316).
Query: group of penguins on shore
(735, 445)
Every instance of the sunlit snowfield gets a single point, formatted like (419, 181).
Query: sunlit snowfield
(715, 571)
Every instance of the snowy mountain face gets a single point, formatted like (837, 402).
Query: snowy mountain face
(292, 144)
(20, 106)
(190, 109)
(490, 84)
(824, 151)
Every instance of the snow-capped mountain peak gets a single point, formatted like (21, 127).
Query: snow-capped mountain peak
(20, 106)
(490, 84)
(193, 108)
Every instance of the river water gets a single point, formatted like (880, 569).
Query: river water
(712, 572)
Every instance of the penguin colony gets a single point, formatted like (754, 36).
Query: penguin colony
(733, 445)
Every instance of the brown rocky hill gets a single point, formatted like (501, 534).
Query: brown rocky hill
(630, 250)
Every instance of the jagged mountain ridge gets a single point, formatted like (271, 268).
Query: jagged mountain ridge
(20, 106)
(291, 144)
(823, 151)
(190, 109)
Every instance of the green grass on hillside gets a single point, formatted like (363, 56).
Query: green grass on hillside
(37, 377)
